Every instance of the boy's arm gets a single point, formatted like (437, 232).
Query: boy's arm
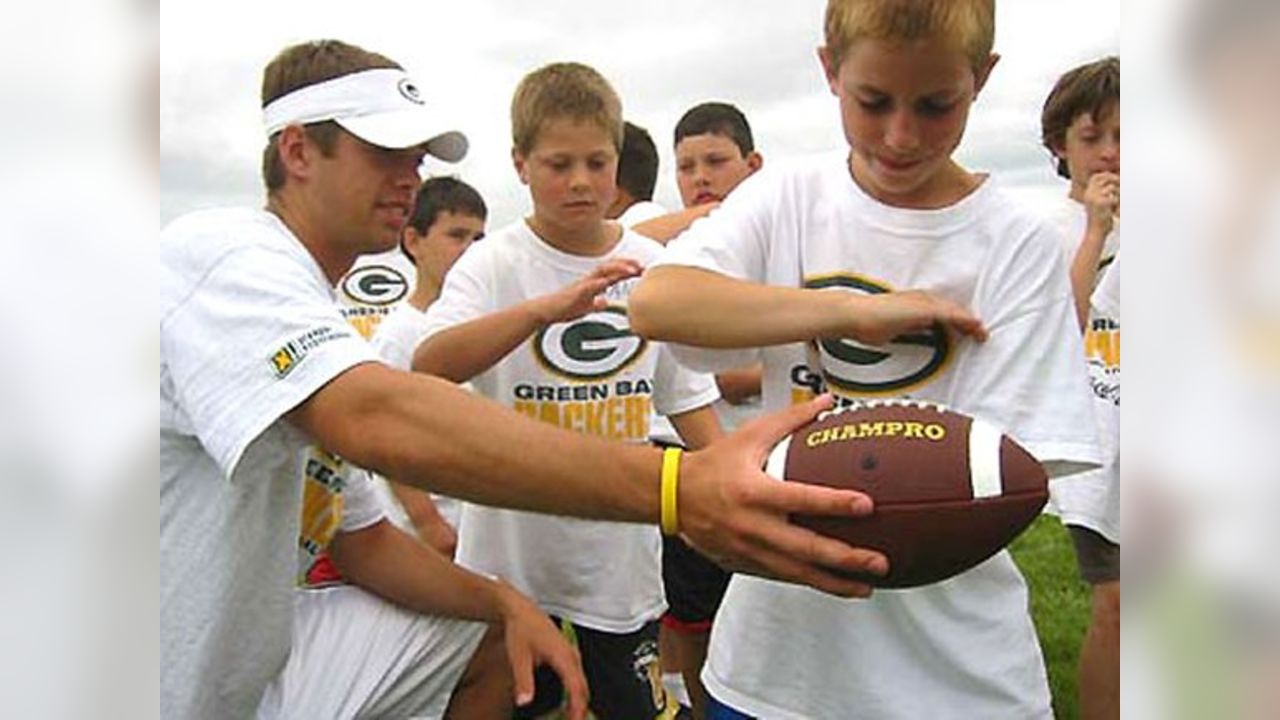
(665, 227)
(706, 309)
(739, 386)
(430, 525)
(463, 351)
(389, 563)
(698, 428)
(390, 422)
(1101, 201)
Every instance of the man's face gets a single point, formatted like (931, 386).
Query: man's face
(444, 242)
(710, 165)
(364, 193)
(571, 171)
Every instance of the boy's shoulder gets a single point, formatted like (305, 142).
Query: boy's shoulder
(637, 247)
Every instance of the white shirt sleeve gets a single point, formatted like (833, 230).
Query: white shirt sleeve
(255, 338)
(1035, 346)
(466, 294)
(677, 389)
(361, 501)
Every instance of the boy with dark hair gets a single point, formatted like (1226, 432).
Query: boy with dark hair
(1080, 125)
(796, 250)
(714, 152)
(448, 215)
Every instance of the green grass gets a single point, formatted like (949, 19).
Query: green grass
(1059, 605)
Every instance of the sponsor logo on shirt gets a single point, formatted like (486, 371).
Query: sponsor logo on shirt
(850, 368)
(284, 360)
(593, 347)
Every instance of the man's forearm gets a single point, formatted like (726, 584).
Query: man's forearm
(431, 434)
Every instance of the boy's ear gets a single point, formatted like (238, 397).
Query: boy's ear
(985, 72)
(755, 160)
(518, 160)
(829, 72)
(409, 238)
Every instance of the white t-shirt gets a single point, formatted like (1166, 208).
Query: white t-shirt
(966, 647)
(591, 375)
(395, 339)
(248, 330)
(640, 212)
(1092, 499)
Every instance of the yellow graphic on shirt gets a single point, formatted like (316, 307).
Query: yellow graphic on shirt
(617, 410)
(322, 506)
(1102, 342)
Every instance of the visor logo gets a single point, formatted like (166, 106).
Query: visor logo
(410, 91)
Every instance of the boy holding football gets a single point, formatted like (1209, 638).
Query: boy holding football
(803, 249)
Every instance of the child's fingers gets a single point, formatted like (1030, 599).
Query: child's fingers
(521, 672)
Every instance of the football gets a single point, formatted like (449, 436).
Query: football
(950, 491)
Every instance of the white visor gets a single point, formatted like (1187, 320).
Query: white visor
(382, 107)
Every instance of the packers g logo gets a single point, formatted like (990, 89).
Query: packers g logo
(375, 285)
(590, 348)
(856, 369)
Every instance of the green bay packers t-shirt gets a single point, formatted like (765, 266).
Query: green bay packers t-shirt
(590, 375)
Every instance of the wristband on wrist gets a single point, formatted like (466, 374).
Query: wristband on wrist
(670, 484)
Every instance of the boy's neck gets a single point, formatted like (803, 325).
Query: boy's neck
(425, 292)
(597, 240)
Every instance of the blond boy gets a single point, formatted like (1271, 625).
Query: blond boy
(800, 250)
(536, 318)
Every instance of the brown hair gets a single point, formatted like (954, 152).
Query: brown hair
(1093, 88)
(970, 24)
(563, 90)
(305, 64)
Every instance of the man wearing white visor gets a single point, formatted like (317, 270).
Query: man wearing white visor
(257, 365)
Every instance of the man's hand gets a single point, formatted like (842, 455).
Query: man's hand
(734, 513)
(1102, 200)
(877, 319)
(532, 640)
(583, 296)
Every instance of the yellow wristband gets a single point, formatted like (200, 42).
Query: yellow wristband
(670, 482)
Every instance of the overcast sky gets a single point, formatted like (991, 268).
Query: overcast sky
(662, 56)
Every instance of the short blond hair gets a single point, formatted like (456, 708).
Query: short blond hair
(970, 24)
(563, 90)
